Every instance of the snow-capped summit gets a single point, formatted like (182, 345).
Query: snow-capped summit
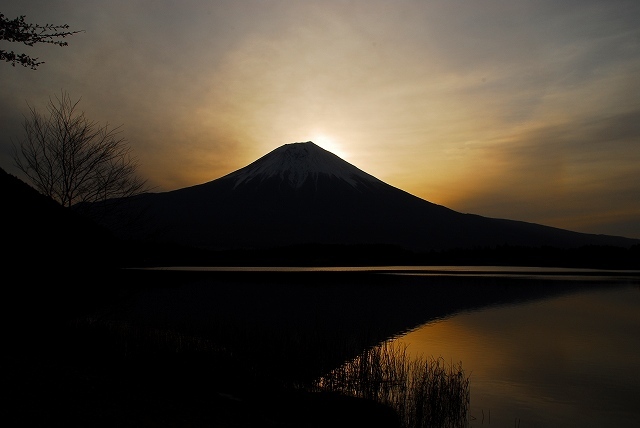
(295, 163)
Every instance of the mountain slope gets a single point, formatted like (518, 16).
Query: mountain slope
(300, 193)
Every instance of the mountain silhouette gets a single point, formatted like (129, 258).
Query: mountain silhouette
(301, 194)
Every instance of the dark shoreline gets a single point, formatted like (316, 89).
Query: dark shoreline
(140, 254)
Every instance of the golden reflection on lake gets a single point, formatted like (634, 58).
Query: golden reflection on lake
(566, 361)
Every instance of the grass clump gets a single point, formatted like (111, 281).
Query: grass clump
(424, 392)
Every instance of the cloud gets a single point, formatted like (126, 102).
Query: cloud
(561, 174)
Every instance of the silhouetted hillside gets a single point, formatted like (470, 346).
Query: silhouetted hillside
(44, 238)
(302, 195)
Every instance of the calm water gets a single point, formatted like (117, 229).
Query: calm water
(535, 359)
(572, 360)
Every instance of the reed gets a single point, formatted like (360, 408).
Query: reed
(424, 392)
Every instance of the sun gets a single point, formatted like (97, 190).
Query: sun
(328, 143)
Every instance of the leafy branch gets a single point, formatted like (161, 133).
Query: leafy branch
(20, 31)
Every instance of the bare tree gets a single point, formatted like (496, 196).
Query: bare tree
(17, 30)
(74, 160)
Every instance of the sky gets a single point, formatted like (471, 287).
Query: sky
(520, 109)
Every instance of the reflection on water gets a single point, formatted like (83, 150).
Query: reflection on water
(570, 360)
(547, 347)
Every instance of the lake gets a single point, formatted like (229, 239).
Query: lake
(542, 347)
(572, 360)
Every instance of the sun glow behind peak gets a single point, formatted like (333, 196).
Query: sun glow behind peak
(330, 144)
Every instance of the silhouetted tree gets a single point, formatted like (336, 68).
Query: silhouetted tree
(17, 30)
(74, 160)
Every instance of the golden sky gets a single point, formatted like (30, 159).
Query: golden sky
(520, 109)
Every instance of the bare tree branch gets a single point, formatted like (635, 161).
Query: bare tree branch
(74, 160)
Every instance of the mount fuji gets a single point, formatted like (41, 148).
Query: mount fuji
(300, 193)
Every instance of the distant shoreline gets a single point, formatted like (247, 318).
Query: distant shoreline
(369, 258)
(453, 269)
